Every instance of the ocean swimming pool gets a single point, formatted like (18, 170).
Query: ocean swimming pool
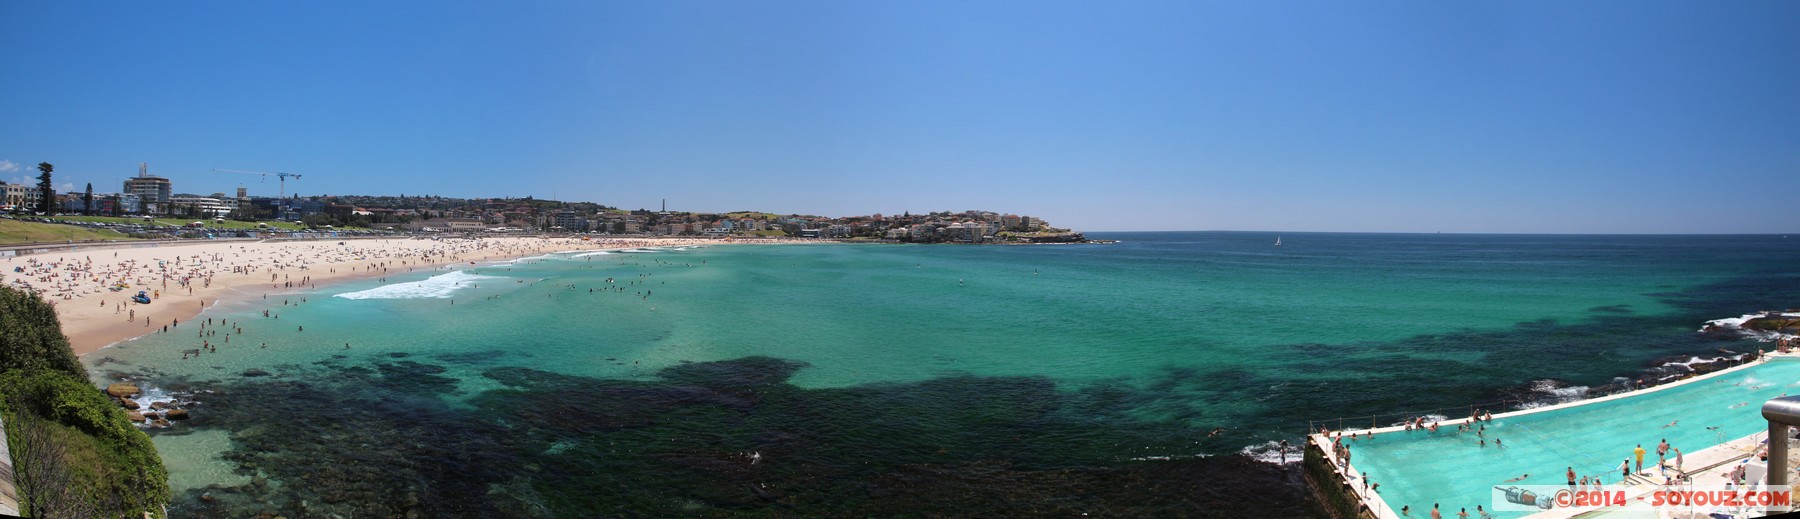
(1450, 468)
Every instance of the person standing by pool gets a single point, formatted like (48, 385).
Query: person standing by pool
(1677, 460)
(1625, 468)
(1662, 449)
(1571, 478)
(1639, 451)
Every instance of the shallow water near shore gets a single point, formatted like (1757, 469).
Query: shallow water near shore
(852, 380)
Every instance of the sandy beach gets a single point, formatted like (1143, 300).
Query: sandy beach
(92, 289)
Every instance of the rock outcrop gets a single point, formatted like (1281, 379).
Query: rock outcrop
(121, 390)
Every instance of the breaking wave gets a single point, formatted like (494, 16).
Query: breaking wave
(1552, 392)
(1736, 325)
(1271, 452)
(441, 286)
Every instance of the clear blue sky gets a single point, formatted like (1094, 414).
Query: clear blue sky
(1515, 116)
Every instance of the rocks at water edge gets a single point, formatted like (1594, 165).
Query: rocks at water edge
(121, 389)
(154, 414)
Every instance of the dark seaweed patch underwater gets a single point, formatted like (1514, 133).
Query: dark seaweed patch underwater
(714, 439)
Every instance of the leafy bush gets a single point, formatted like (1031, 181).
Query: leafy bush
(75, 453)
(76, 449)
(31, 338)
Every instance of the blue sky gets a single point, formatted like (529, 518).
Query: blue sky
(1519, 116)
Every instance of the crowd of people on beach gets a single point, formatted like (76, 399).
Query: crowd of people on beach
(178, 281)
(313, 257)
(65, 278)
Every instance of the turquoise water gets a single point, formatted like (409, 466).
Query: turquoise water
(929, 379)
(1418, 468)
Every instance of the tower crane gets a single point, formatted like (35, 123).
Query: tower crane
(280, 177)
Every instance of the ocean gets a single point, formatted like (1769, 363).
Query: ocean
(1148, 377)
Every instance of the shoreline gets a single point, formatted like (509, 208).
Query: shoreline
(186, 279)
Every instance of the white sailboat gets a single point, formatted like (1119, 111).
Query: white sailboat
(1277, 240)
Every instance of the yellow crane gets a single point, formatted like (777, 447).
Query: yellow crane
(280, 177)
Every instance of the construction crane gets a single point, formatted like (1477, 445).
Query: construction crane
(280, 177)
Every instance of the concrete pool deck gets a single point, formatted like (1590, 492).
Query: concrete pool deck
(1346, 481)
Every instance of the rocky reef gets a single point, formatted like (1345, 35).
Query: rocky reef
(377, 437)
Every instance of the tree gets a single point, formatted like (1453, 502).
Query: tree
(31, 338)
(87, 200)
(46, 192)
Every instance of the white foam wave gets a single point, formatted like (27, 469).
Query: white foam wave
(1559, 393)
(531, 259)
(1167, 458)
(586, 254)
(149, 396)
(1270, 452)
(1428, 420)
(1688, 363)
(441, 286)
(1736, 324)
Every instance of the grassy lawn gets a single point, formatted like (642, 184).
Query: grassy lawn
(178, 222)
(13, 232)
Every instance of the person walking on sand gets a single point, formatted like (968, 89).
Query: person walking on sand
(1639, 452)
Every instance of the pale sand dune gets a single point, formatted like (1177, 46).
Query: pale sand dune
(187, 277)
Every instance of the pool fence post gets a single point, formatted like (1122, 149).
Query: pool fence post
(1781, 413)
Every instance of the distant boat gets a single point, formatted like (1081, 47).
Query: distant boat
(1277, 240)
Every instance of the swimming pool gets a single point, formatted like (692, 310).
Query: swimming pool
(1419, 468)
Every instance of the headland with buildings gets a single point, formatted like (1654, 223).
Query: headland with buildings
(155, 196)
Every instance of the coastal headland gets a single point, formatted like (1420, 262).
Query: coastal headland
(92, 288)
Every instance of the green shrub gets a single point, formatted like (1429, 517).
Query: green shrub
(75, 453)
(30, 336)
(98, 456)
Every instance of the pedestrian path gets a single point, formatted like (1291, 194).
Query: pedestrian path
(9, 495)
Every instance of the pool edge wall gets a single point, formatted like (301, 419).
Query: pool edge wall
(1332, 492)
